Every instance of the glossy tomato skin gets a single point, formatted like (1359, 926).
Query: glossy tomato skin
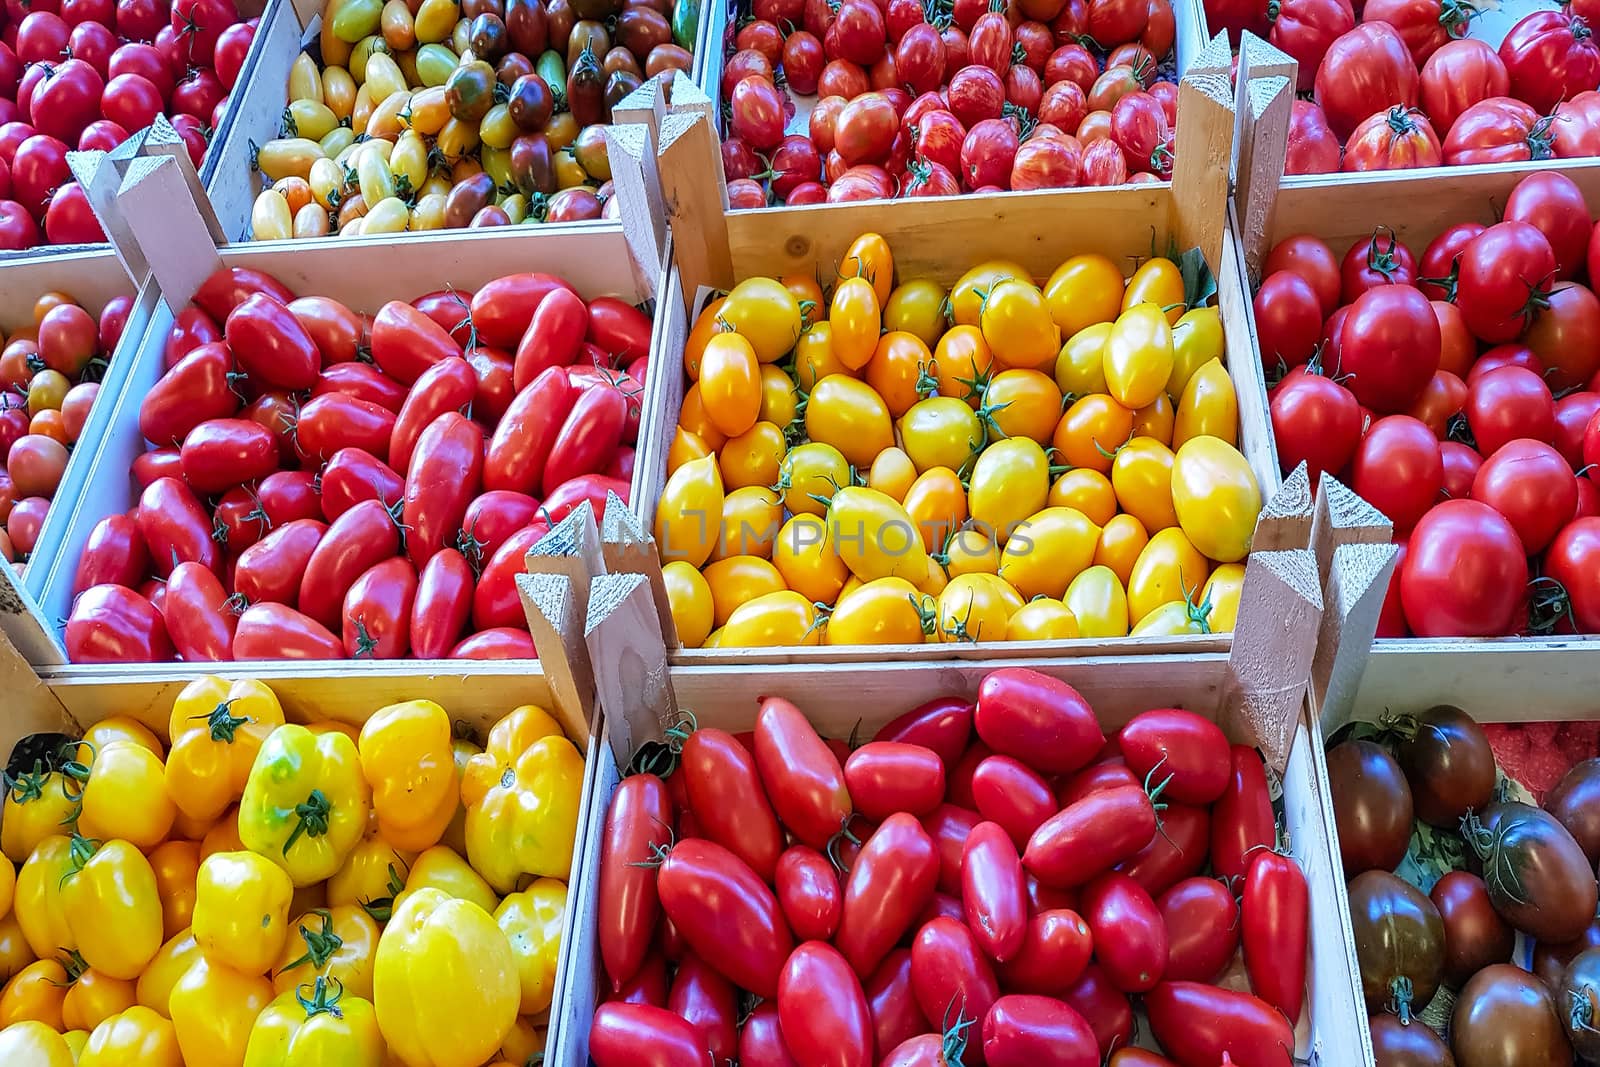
(1202, 921)
(727, 801)
(1364, 71)
(1306, 28)
(1507, 403)
(1390, 344)
(1381, 259)
(355, 542)
(1565, 336)
(1041, 721)
(1572, 560)
(1185, 751)
(1530, 484)
(405, 342)
(643, 1035)
(377, 611)
(994, 896)
(495, 602)
(1398, 469)
(1461, 73)
(335, 421)
(1315, 421)
(354, 475)
(1313, 148)
(1464, 573)
(1288, 320)
(1553, 204)
(809, 893)
(197, 614)
(1199, 1023)
(269, 343)
(191, 329)
(1130, 936)
(1024, 1030)
(822, 1009)
(884, 777)
(761, 1038)
(1174, 855)
(444, 475)
(1008, 792)
(1106, 1008)
(1242, 819)
(639, 821)
(114, 624)
(589, 437)
(522, 442)
(949, 973)
(175, 526)
(709, 1002)
(729, 917)
(1090, 836)
(1550, 56)
(1504, 272)
(1399, 138)
(115, 554)
(1275, 914)
(892, 1002)
(274, 631)
(943, 724)
(271, 569)
(801, 774)
(362, 381)
(890, 883)
(949, 826)
(219, 454)
(448, 385)
(1055, 950)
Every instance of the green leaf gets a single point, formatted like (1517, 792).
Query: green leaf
(1199, 284)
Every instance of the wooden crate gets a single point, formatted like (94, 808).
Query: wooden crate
(474, 694)
(93, 278)
(636, 691)
(1125, 224)
(595, 258)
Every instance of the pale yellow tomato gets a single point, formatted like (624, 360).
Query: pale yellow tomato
(1098, 601)
(689, 595)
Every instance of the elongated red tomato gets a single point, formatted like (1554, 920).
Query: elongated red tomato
(448, 385)
(523, 440)
(1093, 779)
(761, 1039)
(191, 329)
(219, 454)
(273, 631)
(229, 287)
(892, 1002)
(949, 826)
(822, 1009)
(194, 390)
(642, 1035)
(1177, 851)
(1202, 921)
(198, 617)
(621, 330)
(589, 437)
(809, 893)
(710, 1004)
(502, 309)
(1130, 937)
(334, 328)
(450, 308)
(270, 345)
(1037, 719)
(114, 624)
(639, 822)
(889, 776)
(1025, 1030)
(443, 478)
(175, 527)
(1008, 792)
(1184, 752)
(725, 795)
(443, 604)
(362, 381)
(377, 611)
(405, 342)
(271, 569)
(1197, 1024)
(115, 554)
(1091, 836)
(491, 518)
(1105, 1007)
(495, 602)
(1274, 913)
(943, 724)
(1055, 950)
(354, 475)
(890, 882)
(801, 774)
(993, 893)
(949, 975)
(553, 337)
(726, 913)
(358, 540)
(1241, 820)
(289, 495)
(336, 421)
(500, 642)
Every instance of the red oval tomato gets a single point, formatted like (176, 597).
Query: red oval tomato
(1039, 720)
(1023, 1030)
(993, 892)
(271, 569)
(1363, 72)
(1200, 1023)
(802, 776)
(1574, 561)
(357, 541)
(729, 917)
(638, 822)
(495, 602)
(221, 453)
(889, 884)
(114, 624)
(949, 975)
(1202, 922)
(892, 1002)
(1313, 148)
(198, 616)
(444, 475)
(710, 1004)
(1055, 950)
(1184, 753)
(1177, 852)
(1550, 56)
(949, 826)
(643, 1035)
(822, 1009)
(114, 554)
(376, 620)
(1288, 321)
(884, 777)
(1090, 836)
(1438, 266)
(175, 526)
(725, 796)
(808, 892)
(1312, 259)
(269, 343)
(1104, 1006)
(1464, 573)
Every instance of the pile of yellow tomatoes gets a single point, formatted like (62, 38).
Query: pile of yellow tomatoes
(267, 893)
(897, 463)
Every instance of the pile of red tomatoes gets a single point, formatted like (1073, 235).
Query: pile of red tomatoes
(324, 484)
(1459, 393)
(1396, 84)
(85, 74)
(983, 884)
(50, 373)
(945, 98)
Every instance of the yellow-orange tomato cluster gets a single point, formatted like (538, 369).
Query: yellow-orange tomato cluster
(248, 892)
(898, 463)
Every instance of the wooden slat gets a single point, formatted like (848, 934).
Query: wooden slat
(550, 603)
(1204, 155)
(1244, 367)
(572, 550)
(1355, 582)
(174, 239)
(1287, 518)
(689, 160)
(30, 707)
(1342, 518)
(1266, 108)
(631, 153)
(629, 549)
(1273, 645)
(629, 660)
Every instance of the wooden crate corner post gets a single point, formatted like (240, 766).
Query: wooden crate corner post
(1287, 519)
(631, 153)
(1274, 641)
(632, 685)
(177, 243)
(695, 195)
(165, 141)
(551, 605)
(1266, 106)
(630, 549)
(23, 624)
(1342, 518)
(571, 549)
(1204, 150)
(97, 174)
(1356, 583)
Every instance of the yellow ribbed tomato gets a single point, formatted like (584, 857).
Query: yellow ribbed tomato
(849, 415)
(772, 620)
(374, 872)
(887, 611)
(1080, 365)
(532, 921)
(1138, 356)
(405, 754)
(1017, 325)
(443, 869)
(1042, 620)
(689, 514)
(217, 727)
(805, 557)
(110, 902)
(213, 1010)
(241, 913)
(1170, 568)
(1217, 498)
(38, 804)
(1209, 407)
(941, 431)
(126, 797)
(95, 997)
(338, 942)
(1010, 481)
(1121, 541)
(122, 728)
(134, 1035)
(856, 320)
(1157, 281)
(738, 580)
(322, 1025)
(172, 961)
(38, 897)
(690, 598)
(34, 1044)
(1047, 551)
(1196, 340)
(1084, 290)
(1099, 603)
(1142, 477)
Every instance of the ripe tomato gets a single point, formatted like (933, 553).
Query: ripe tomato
(175, 525)
(1288, 321)
(727, 915)
(1202, 922)
(822, 1009)
(993, 893)
(1389, 345)
(1464, 573)
(975, 93)
(1022, 1030)
(1508, 403)
(114, 555)
(1008, 792)
(1312, 259)
(1553, 204)
(1306, 28)
(1459, 74)
(1200, 1023)
(233, 45)
(1039, 720)
(1425, 25)
(1315, 421)
(1565, 336)
(1365, 71)
(1190, 751)
(1397, 139)
(1104, 1006)
(1576, 130)
(1532, 486)
(1131, 943)
(1574, 561)
(66, 100)
(198, 616)
(988, 153)
(1437, 268)
(1398, 469)
(1550, 56)
(1312, 147)
(113, 624)
(1378, 260)
(948, 968)
(1497, 130)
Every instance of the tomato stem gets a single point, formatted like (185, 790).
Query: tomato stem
(313, 815)
(321, 945)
